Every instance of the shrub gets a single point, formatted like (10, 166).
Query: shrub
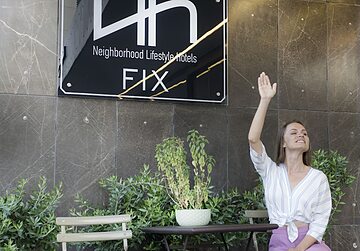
(334, 165)
(29, 224)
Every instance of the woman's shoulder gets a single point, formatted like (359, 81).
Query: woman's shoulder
(320, 174)
(278, 167)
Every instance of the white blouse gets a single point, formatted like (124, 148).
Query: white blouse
(309, 201)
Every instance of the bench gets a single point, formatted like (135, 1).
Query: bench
(66, 222)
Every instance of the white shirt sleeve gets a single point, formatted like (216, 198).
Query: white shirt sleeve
(262, 162)
(321, 210)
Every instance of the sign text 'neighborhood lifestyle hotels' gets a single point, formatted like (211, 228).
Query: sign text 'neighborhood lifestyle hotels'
(145, 49)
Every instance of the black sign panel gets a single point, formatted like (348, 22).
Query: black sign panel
(145, 49)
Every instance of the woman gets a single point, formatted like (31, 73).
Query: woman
(297, 196)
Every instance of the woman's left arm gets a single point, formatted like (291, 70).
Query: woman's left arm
(320, 216)
(304, 244)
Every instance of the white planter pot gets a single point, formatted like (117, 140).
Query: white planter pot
(193, 217)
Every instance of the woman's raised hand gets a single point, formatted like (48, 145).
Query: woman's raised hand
(266, 90)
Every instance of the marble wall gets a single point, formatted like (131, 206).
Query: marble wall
(311, 48)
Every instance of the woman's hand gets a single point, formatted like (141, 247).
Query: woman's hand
(266, 91)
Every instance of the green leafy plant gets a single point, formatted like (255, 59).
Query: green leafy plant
(334, 165)
(171, 158)
(28, 222)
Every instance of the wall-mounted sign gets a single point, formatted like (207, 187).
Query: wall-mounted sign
(144, 49)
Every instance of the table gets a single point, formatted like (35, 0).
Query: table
(214, 229)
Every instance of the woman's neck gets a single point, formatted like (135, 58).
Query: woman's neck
(294, 162)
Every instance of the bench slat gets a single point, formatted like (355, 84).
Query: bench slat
(98, 236)
(256, 214)
(92, 220)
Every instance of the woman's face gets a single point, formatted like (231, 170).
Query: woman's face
(296, 137)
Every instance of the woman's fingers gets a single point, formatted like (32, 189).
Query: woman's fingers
(274, 87)
(263, 79)
(267, 80)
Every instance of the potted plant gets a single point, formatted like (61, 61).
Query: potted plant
(189, 195)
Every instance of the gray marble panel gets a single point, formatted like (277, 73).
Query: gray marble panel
(28, 53)
(85, 147)
(343, 59)
(302, 55)
(27, 136)
(142, 125)
(316, 124)
(211, 122)
(241, 170)
(319, 1)
(352, 2)
(344, 134)
(344, 238)
(252, 48)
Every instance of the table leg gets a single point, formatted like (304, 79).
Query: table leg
(166, 244)
(185, 242)
(225, 244)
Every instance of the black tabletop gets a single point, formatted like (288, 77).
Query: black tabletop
(216, 228)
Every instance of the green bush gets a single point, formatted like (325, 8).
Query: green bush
(334, 165)
(29, 223)
(10, 246)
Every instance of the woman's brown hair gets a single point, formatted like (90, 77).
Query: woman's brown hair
(280, 153)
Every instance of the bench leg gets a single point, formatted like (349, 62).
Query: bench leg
(249, 241)
(125, 244)
(63, 244)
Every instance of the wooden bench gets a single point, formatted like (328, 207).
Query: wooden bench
(65, 222)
